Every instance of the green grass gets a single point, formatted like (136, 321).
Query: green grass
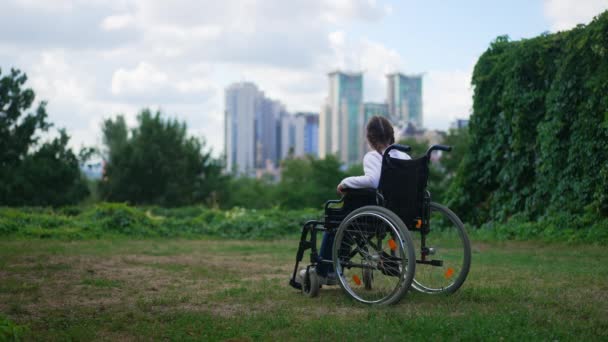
(178, 290)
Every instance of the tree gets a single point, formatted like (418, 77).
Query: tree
(307, 182)
(157, 163)
(250, 193)
(33, 173)
(418, 147)
(459, 140)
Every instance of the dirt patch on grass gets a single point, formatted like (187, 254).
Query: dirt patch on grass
(148, 280)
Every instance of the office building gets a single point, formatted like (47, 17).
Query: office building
(311, 133)
(340, 121)
(251, 131)
(242, 103)
(372, 109)
(404, 98)
(459, 123)
(299, 135)
(368, 110)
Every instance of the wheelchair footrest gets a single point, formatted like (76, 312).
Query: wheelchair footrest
(295, 284)
(430, 262)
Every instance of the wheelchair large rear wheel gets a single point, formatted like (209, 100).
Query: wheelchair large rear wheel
(374, 256)
(447, 242)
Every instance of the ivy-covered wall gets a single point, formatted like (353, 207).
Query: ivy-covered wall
(539, 129)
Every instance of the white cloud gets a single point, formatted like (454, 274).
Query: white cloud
(362, 54)
(117, 22)
(149, 85)
(144, 78)
(565, 14)
(338, 10)
(98, 58)
(447, 95)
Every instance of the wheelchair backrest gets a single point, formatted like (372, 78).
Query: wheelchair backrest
(403, 185)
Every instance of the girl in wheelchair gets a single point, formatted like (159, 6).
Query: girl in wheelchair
(380, 135)
(385, 234)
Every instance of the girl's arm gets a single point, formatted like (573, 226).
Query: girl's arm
(372, 165)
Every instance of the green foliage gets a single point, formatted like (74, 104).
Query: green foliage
(418, 147)
(33, 173)
(309, 182)
(116, 219)
(538, 134)
(250, 193)
(305, 183)
(442, 171)
(9, 331)
(158, 164)
(585, 228)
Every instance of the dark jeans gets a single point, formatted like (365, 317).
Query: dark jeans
(325, 253)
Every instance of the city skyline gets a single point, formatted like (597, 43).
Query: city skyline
(94, 60)
(259, 132)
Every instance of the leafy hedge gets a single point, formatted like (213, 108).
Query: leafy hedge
(120, 220)
(539, 132)
(115, 219)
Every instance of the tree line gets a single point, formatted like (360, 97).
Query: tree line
(154, 163)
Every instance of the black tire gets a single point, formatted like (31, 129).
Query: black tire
(376, 239)
(451, 245)
(310, 283)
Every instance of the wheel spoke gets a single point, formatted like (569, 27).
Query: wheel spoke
(450, 244)
(378, 277)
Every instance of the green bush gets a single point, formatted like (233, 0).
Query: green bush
(117, 219)
(538, 135)
(9, 331)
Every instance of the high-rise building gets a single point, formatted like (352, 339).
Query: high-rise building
(459, 123)
(404, 98)
(292, 136)
(251, 129)
(368, 110)
(374, 108)
(299, 135)
(242, 102)
(311, 133)
(340, 121)
(268, 116)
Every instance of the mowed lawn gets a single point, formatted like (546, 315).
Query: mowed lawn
(220, 289)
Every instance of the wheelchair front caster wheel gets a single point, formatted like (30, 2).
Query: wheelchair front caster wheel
(310, 283)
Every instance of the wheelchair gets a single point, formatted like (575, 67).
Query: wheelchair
(387, 240)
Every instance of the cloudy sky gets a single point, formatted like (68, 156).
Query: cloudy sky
(93, 59)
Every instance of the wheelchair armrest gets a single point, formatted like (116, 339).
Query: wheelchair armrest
(330, 202)
(363, 191)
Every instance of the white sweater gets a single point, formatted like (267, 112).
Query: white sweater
(372, 166)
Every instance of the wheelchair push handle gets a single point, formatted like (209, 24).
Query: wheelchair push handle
(445, 148)
(402, 148)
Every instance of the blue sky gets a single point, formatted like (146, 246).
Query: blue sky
(93, 59)
(450, 34)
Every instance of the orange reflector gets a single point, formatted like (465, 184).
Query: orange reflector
(356, 279)
(392, 244)
(449, 273)
(418, 223)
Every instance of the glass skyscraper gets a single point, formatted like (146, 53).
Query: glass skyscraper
(368, 110)
(340, 122)
(374, 108)
(251, 131)
(405, 98)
